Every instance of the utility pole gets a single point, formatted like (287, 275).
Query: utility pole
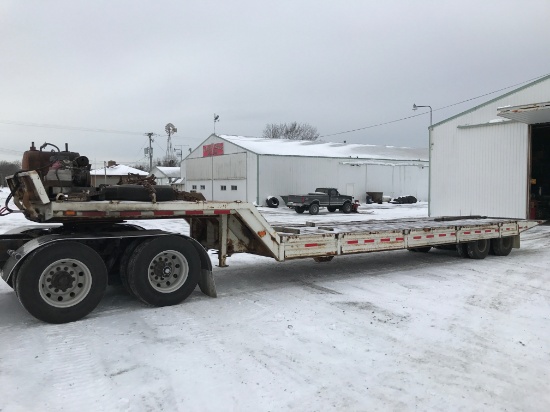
(150, 151)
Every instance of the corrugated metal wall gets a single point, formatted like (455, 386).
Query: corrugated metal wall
(479, 167)
(398, 180)
(480, 171)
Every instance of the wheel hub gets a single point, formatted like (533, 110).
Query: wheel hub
(168, 271)
(62, 280)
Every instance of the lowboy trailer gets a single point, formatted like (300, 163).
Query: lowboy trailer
(61, 267)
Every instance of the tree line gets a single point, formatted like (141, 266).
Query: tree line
(7, 169)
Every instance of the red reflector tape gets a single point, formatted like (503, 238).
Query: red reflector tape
(453, 234)
(488, 230)
(311, 244)
(194, 212)
(369, 241)
(163, 213)
(94, 214)
(386, 239)
(466, 233)
(129, 213)
(429, 236)
(442, 234)
(417, 237)
(221, 212)
(478, 231)
(400, 239)
(353, 242)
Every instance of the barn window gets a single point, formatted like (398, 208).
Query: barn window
(194, 187)
(233, 187)
(223, 187)
(203, 187)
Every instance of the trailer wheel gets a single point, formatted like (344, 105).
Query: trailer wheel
(423, 249)
(163, 271)
(346, 207)
(462, 249)
(124, 261)
(322, 259)
(300, 209)
(502, 246)
(478, 249)
(313, 209)
(61, 282)
(331, 209)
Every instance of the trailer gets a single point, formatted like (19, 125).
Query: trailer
(60, 267)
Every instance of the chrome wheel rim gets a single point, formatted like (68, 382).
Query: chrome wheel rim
(168, 271)
(65, 283)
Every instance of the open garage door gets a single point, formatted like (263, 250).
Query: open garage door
(537, 116)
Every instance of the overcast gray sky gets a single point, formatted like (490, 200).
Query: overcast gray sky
(338, 65)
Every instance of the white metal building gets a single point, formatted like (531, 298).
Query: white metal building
(165, 175)
(494, 159)
(112, 173)
(251, 169)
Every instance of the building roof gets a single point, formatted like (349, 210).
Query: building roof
(117, 170)
(169, 171)
(285, 147)
(525, 86)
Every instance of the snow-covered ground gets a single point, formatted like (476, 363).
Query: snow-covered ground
(389, 331)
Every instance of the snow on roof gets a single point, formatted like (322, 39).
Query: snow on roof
(285, 147)
(169, 171)
(117, 170)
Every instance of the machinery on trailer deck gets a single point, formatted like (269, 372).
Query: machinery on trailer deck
(61, 267)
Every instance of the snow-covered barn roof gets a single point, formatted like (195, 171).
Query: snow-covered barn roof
(285, 147)
(169, 171)
(117, 170)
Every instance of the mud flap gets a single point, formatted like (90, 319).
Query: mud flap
(207, 284)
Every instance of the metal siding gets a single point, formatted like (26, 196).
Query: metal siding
(230, 166)
(483, 170)
(480, 171)
(282, 175)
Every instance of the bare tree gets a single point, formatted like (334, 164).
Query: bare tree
(292, 131)
(7, 169)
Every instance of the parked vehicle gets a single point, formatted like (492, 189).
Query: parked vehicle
(61, 267)
(322, 197)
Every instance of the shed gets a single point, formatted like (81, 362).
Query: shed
(252, 169)
(111, 174)
(166, 175)
(494, 159)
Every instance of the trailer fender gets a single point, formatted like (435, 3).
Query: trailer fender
(17, 257)
(206, 280)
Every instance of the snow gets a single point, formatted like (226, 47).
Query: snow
(383, 331)
(285, 147)
(117, 170)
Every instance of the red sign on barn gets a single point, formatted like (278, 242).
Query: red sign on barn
(214, 149)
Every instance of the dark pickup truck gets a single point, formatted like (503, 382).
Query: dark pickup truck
(322, 197)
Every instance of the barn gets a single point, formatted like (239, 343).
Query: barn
(494, 159)
(253, 169)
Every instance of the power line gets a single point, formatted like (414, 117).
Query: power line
(439, 108)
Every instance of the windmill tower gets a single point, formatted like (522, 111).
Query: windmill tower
(170, 130)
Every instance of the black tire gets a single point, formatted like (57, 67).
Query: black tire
(124, 261)
(424, 249)
(478, 249)
(502, 246)
(300, 209)
(314, 209)
(331, 208)
(56, 264)
(272, 202)
(164, 270)
(323, 259)
(462, 249)
(346, 207)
